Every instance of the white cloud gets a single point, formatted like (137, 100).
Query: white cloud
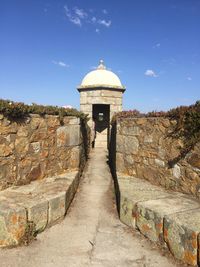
(94, 19)
(97, 30)
(105, 23)
(189, 78)
(60, 63)
(157, 45)
(150, 73)
(80, 13)
(72, 18)
(80, 17)
(170, 61)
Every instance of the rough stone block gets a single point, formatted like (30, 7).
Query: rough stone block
(120, 163)
(57, 206)
(150, 214)
(74, 121)
(68, 135)
(119, 143)
(127, 207)
(5, 150)
(132, 191)
(37, 209)
(36, 206)
(127, 144)
(181, 233)
(35, 146)
(130, 130)
(13, 223)
(115, 108)
(52, 121)
(74, 160)
(109, 93)
(54, 191)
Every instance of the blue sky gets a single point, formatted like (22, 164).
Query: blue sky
(47, 46)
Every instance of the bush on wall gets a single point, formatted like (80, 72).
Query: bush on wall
(187, 126)
(19, 110)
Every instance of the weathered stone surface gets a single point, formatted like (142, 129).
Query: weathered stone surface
(35, 173)
(127, 144)
(68, 135)
(55, 192)
(109, 93)
(5, 150)
(133, 191)
(23, 131)
(35, 121)
(52, 121)
(194, 160)
(57, 207)
(160, 163)
(154, 153)
(181, 231)
(39, 135)
(74, 121)
(36, 206)
(150, 214)
(176, 171)
(74, 160)
(148, 139)
(39, 147)
(22, 145)
(120, 163)
(12, 224)
(41, 202)
(131, 145)
(130, 130)
(35, 146)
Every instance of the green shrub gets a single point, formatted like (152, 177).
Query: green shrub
(187, 126)
(18, 110)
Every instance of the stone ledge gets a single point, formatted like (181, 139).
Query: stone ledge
(170, 219)
(42, 202)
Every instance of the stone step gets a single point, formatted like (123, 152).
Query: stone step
(170, 219)
(43, 203)
(99, 144)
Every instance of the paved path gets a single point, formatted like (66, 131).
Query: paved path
(91, 234)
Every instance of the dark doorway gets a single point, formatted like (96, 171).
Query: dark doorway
(101, 117)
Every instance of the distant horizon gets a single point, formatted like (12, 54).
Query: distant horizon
(153, 46)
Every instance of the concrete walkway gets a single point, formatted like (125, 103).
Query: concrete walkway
(91, 234)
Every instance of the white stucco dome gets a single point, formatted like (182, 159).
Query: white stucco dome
(101, 78)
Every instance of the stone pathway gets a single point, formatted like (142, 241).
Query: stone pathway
(91, 234)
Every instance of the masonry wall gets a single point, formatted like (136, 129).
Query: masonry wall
(39, 147)
(145, 147)
(100, 96)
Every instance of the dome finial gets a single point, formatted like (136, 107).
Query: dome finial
(101, 65)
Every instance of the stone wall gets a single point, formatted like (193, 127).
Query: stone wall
(100, 96)
(39, 147)
(145, 147)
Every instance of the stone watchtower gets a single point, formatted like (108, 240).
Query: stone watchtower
(101, 96)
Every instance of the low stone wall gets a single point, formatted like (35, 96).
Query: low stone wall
(145, 148)
(170, 219)
(39, 147)
(27, 210)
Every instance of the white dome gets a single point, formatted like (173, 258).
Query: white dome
(101, 78)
